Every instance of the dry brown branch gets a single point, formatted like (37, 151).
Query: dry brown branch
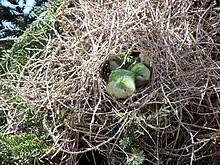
(180, 37)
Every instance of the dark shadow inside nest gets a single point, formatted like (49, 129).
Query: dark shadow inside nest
(215, 53)
(92, 158)
(88, 158)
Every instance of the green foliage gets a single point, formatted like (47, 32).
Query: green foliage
(57, 3)
(32, 42)
(28, 48)
(129, 139)
(22, 24)
(28, 115)
(159, 117)
(2, 61)
(30, 45)
(137, 157)
(126, 142)
(20, 149)
(134, 129)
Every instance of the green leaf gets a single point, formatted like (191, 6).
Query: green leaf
(137, 157)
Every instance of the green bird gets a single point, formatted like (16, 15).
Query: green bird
(121, 83)
(141, 72)
(121, 61)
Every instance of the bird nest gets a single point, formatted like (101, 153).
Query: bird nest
(172, 120)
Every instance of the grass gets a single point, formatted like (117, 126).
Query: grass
(53, 84)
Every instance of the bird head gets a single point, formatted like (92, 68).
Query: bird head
(113, 63)
(142, 74)
(145, 59)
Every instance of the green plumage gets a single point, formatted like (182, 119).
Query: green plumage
(127, 74)
(141, 72)
(117, 73)
(121, 83)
